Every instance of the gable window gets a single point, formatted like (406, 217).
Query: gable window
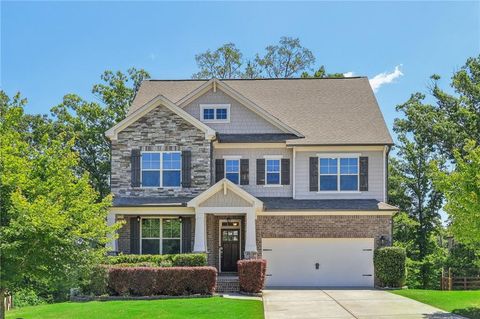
(338, 174)
(161, 236)
(215, 113)
(232, 170)
(161, 169)
(272, 171)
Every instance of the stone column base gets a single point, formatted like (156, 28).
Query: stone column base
(250, 254)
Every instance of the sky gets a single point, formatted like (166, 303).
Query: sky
(49, 49)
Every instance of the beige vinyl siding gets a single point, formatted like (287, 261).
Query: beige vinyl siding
(231, 199)
(375, 178)
(252, 155)
(242, 120)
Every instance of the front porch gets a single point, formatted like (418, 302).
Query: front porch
(220, 222)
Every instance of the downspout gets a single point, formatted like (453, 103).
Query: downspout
(293, 178)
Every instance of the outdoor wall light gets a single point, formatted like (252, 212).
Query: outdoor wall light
(180, 218)
(138, 218)
(383, 240)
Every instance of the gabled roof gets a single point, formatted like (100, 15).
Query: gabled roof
(327, 111)
(225, 185)
(157, 101)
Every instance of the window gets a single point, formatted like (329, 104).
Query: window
(161, 236)
(232, 170)
(161, 169)
(211, 113)
(272, 171)
(338, 174)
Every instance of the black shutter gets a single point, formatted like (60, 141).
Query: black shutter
(285, 171)
(363, 174)
(313, 174)
(260, 171)
(134, 236)
(135, 167)
(244, 171)
(186, 234)
(186, 169)
(219, 169)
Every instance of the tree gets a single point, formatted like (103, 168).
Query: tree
(223, 63)
(53, 229)
(87, 122)
(286, 59)
(322, 73)
(462, 192)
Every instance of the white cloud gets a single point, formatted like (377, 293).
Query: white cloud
(348, 74)
(384, 78)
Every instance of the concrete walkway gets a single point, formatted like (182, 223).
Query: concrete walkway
(345, 304)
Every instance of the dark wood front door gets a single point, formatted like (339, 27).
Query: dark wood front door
(230, 249)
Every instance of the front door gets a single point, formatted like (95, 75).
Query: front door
(230, 249)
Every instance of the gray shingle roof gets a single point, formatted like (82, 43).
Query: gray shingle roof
(271, 203)
(287, 203)
(326, 111)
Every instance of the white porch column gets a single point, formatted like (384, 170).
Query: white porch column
(250, 235)
(199, 243)
(112, 244)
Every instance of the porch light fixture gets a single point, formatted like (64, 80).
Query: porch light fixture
(383, 240)
(138, 218)
(180, 218)
(235, 224)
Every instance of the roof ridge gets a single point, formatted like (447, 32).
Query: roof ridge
(259, 79)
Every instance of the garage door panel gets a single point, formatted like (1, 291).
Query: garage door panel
(341, 261)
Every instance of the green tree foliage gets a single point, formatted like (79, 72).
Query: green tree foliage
(286, 59)
(322, 73)
(53, 229)
(223, 63)
(87, 122)
(462, 192)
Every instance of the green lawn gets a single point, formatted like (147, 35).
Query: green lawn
(465, 303)
(215, 307)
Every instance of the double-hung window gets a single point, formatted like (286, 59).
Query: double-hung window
(215, 113)
(161, 169)
(161, 235)
(338, 174)
(272, 171)
(232, 170)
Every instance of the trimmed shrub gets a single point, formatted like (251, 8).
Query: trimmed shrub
(251, 274)
(173, 281)
(390, 266)
(191, 260)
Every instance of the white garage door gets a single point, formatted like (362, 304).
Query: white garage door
(319, 262)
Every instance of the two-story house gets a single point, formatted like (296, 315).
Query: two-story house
(290, 170)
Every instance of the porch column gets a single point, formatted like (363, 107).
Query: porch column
(199, 243)
(112, 243)
(250, 235)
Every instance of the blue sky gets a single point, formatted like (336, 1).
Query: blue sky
(49, 49)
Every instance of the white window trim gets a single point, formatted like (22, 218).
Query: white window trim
(338, 157)
(161, 238)
(231, 158)
(160, 169)
(274, 157)
(215, 107)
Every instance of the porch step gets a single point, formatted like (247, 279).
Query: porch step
(227, 284)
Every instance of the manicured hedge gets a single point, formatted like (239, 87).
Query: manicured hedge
(389, 265)
(191, 260)
(251, 274)
(150, 281)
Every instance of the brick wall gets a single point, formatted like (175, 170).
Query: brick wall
(331, 226)
(160, 130)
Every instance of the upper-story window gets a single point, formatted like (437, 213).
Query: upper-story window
(232, 170)
(215, 113)
(338, 174)
(161, 169)
(272, 171)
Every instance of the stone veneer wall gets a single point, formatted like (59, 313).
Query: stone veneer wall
(323, 226)
(160, 130)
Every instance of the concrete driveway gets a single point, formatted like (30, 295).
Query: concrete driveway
(345, 304)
